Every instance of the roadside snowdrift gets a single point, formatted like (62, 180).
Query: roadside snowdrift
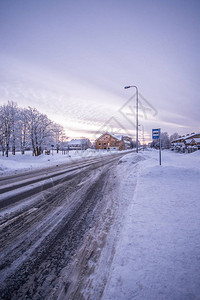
(18, 163)
(157, 255)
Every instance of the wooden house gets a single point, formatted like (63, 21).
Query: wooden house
(109, 141)
(192, 139)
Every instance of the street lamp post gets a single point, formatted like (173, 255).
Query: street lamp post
(134, 86)
(142, 135)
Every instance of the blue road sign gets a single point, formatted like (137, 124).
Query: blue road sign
(155, 134)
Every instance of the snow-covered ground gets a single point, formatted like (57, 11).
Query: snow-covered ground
(157, 254)
(20, 163)
(152, 251)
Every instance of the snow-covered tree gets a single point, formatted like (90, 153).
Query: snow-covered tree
(2, 128)
(6, 128)
(58, 132)
(165, 143)
(13, 110)
(39, 129)
(174, 136)
(63, 143)
(8, 124)
(22, 129)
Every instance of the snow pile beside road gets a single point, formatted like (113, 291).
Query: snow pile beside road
(157, 255)
(131, 159)
(26, 162)
(14, 164)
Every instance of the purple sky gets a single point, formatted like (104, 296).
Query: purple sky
(71, 60)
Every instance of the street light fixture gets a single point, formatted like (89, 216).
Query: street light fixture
(134, 86)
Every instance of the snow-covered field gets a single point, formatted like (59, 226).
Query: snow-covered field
(157, 255)
(14, 164)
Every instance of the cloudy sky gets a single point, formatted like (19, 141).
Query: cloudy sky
(71, 60)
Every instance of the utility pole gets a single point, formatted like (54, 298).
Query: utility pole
(134, 86)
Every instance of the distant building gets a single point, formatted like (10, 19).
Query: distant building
(127, 141)
(185, 141)
(110, 141)
(192, 139)
(79, 144)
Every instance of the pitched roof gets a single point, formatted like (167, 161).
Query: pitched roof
(114, 136)
(191, 136)
(183, 138)
(197, 140)
(77, 142)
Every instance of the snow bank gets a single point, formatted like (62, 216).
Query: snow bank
(157, 255)
(14, 164)
(19, 162)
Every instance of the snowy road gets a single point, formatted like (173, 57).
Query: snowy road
(18, 187)
(41, 235)
(125, 229)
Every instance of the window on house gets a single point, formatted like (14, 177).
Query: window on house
(99, 144)
(104, 144)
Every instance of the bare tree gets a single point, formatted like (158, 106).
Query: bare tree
(165, 140)
(174, 136)
(2, 132)
(44, 132)
(58, 132)
(6, 120)
(12, 106)
(165, 143)
(63, 143)
(39, 129)
(22, 130)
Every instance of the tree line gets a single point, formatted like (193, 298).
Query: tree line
(165, 140)
(26, 128)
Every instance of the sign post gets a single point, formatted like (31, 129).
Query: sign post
(52, 149)
(156, 134)
(160, 145)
